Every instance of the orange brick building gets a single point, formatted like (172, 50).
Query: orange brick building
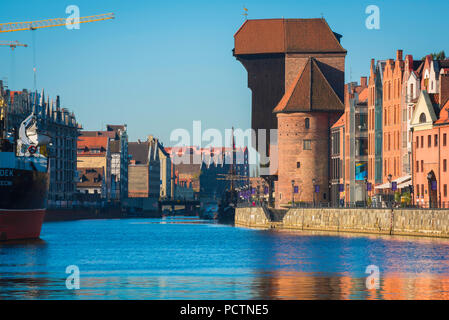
(430, 129)
(392, 122)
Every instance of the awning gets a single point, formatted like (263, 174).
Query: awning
(405, 184)
(402, 182)
(383, 186)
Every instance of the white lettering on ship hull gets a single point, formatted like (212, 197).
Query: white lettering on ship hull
(6, 173)
(5, 183)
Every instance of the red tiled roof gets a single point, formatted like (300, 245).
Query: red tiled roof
(363, 95)
(310, 91)
(340, 122)
(13, 93)
(286, 35)
(92, 142)
(444, 114)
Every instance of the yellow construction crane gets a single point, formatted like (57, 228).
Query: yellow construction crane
(48, 23)
(13, 44)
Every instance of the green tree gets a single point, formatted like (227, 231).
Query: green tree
(437, 55)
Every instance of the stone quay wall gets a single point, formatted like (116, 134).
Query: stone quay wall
(411, 222)
(253, 217)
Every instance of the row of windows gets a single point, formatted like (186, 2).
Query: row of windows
(306, 123)
(388, 88)
(420, 165)
(392, 167)
(389, 144)
(420, 190)
(391, 115)
(420, 141)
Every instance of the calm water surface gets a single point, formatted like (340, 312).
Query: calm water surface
(186, 258)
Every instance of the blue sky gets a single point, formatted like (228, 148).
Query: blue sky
(162, 64)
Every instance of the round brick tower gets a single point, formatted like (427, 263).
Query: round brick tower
(303, 141)
(305, 115)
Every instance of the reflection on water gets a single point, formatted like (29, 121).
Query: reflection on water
(187, 258)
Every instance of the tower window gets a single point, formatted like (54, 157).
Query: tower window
(298, 165)
(307, 123)
(307, 145)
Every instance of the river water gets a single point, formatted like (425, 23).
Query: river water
(187, 258)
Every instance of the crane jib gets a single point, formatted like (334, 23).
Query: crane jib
(56, 22)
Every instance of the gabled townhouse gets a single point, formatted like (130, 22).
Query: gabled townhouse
(94, 152)
(430, 132)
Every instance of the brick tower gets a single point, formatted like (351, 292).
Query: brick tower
(305, 114)
(295, 68)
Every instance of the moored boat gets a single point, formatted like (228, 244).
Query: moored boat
(23, 179)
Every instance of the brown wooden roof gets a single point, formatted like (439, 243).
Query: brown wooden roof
(90, 177)
(310, 91)
(286, 35)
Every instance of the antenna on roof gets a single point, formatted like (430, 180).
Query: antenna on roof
(245, 13)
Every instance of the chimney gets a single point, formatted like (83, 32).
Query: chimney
(399, 55)
(363, 81)
(444, 89)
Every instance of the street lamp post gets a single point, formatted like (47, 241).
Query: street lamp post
(429, 178)
(391, 186)
(293, 192)
(366, 192)
(313, 182)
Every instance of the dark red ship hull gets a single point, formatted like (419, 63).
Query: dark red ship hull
(21, 224)
(23, 202)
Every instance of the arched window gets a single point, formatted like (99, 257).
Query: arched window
(422, 118)
(307, 123)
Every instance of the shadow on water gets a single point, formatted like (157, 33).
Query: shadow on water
(23, 243)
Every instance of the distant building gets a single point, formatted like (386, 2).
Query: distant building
(118, 144)
(63, 129)
(337, 163)
(201, 172)
(375, 123)
(144, 169)
(94, 152)
(166, 174)
(91, 185)
(216, 170)
(187, 163)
